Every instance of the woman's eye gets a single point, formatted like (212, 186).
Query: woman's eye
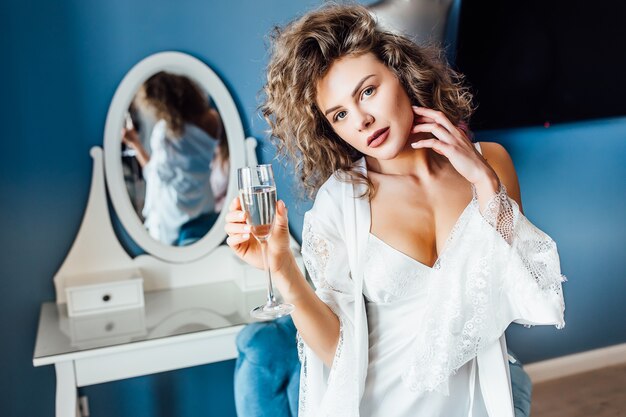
(368, 91)
(340, 116)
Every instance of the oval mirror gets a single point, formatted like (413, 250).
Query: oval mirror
(172, 142)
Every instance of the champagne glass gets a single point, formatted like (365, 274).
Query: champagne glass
(257, 194)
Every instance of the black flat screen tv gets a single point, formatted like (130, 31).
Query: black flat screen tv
(540, 62)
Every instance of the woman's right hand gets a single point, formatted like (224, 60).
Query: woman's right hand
(248, 248)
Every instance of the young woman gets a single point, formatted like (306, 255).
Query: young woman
(416, 243)
(184, 171)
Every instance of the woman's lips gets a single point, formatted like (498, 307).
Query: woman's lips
(378, 137)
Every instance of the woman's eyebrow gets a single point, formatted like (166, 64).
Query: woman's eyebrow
(358, 86)
(356, 89)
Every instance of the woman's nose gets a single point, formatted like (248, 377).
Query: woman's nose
(365, 120)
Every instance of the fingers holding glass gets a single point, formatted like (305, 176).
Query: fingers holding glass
(238, 239)
(236, 228)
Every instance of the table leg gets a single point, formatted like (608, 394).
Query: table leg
(66, 398)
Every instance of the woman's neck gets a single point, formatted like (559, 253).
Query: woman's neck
(420, 163)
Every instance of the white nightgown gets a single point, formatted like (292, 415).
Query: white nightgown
(178, 187)
(415, 340)
(394, 285)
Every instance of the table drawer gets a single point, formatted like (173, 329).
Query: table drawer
(104, 297)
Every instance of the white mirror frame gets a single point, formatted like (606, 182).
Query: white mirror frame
(187, 65)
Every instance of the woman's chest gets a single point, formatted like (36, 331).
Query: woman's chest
(416, 219)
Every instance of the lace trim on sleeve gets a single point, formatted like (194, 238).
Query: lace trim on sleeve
(487, 282)
(315, 253)
(499, 213)
(338, 374)
(538, 254)
(536, 250)
(302, 402)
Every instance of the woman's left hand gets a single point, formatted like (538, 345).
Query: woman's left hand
(451, 142)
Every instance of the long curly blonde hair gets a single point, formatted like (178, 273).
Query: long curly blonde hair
(302, 53)
(174, 98)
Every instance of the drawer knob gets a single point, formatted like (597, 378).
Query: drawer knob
(106, 297)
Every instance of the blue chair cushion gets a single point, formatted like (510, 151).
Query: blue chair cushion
(267, 372)
(521, 387)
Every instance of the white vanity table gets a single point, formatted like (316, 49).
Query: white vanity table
(193, 300)
(177, 328)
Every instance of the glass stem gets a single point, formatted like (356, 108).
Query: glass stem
(271, 300)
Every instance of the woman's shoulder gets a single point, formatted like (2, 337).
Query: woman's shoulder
(493, 149)
(159, 132)
(499, 159)
(331, 194)
(327, 203)
(327, 195)
(334, 187)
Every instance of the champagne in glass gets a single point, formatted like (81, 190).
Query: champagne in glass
(260, 204)
(257, 194)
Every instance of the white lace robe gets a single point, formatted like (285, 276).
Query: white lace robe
(495, 268)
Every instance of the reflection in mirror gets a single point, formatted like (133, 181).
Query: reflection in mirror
(175, 158)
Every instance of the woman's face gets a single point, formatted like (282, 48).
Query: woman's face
(366, 105)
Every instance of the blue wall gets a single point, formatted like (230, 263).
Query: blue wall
(61, 64)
